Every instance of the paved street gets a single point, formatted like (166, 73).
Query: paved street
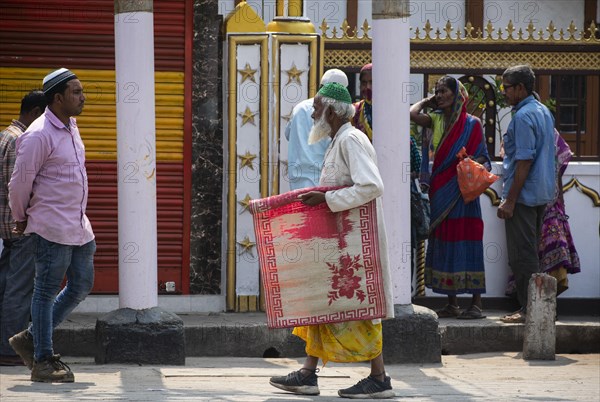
(476, 377)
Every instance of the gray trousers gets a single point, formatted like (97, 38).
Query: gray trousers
(523, 233)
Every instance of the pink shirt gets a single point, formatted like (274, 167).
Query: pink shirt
(49, 187)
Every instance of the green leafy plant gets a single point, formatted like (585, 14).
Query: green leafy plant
(500, 104)
(477, 101)
(550, 103)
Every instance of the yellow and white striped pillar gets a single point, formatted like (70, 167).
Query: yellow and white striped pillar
(295, 8)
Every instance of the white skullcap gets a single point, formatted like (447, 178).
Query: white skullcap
(56, 78)
(334, 75)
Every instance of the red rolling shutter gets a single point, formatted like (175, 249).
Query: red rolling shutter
(79, 35)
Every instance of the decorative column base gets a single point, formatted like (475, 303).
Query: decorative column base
(412, 336)
(295, 25)
(150, 336)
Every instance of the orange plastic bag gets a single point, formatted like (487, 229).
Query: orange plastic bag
(473, 177)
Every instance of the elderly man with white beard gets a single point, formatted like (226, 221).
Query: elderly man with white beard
(349, 161)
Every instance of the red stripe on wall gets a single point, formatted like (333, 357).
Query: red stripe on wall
(80, 34)
(103, 214)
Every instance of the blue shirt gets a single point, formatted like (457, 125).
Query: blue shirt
(530, 136)
(304, 161)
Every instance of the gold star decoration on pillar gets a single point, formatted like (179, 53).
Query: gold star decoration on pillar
(247, 73)
(294, 74)
(245, 202)
(246, 160)
(247, 245)
(248, 116)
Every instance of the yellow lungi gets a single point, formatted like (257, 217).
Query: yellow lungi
(351, 341)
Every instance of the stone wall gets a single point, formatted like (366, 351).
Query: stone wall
(207, 151)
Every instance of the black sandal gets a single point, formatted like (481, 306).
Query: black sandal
(472, 313)
(449, 311)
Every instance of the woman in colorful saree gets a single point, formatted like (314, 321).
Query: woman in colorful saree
(454, 260)
(558, 256)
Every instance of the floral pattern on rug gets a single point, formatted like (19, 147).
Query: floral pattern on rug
(344, 282)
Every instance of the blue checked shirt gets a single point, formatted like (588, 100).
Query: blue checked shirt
(7, 152)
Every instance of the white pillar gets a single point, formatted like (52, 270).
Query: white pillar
(391, 130)
(136, 154)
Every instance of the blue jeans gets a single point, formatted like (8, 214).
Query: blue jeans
(52, 262)
(17, 270)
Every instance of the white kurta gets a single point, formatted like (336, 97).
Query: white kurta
(351, 161)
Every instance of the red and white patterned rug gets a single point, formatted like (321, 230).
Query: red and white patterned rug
(317, 266)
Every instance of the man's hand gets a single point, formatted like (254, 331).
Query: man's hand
(20, 228)
(312, 198)
(506, 209)
(507, 206)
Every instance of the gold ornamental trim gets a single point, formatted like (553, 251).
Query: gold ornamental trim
(421, 269)
(469, 35)
(233, 73)
(247, 304)
(291, 26)
(243, 19)
(446, 59)
(573, 183)
(493, 196)
(342, 58)
(346, 32)
(490, 60)
(590, 192)
(508, 35)
(293, 21)
(578, 51)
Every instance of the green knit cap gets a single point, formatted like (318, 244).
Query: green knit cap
(336, 91)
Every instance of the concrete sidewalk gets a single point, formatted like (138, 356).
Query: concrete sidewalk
(474, 377)
(247, 335)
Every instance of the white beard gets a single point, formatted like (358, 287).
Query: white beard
(321, 129)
